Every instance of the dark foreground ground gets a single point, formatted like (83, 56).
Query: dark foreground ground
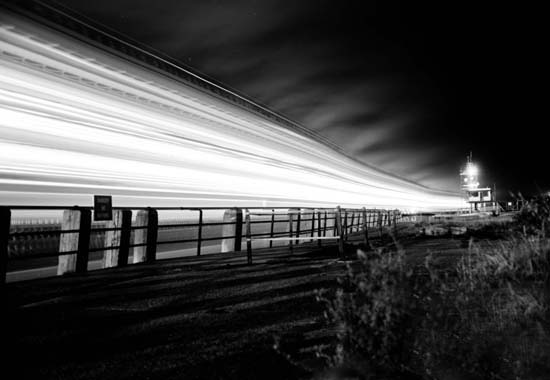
(192, 318)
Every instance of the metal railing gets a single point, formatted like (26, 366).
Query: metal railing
(136, 233)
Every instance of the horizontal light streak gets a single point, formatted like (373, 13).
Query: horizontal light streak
(109, 132)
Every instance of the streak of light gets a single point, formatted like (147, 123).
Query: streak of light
(76, 121)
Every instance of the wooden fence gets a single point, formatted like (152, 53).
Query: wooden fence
(135, 234)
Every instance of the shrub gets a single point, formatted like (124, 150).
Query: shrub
(485, 317)
(371, 314)
(494, 324)
(534, 216)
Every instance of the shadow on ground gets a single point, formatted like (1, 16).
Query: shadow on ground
(212, 317)
(180, 319)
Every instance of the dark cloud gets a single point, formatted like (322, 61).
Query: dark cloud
(408, 88)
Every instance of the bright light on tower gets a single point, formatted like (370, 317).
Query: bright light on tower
(469, 176)
(471, 170)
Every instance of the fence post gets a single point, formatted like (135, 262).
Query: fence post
(365, 230)
(199, 234)
(152, 235)
(345, 223)
(147, 236)
(312, 224)
(238, 229)
(5, 220)
(340, 232)
(125, 235)
(248, 238)
(76, 219)
(352, 220)
(233, 232)
(84, 240)
(298, 226)
(290, 227)
(325, 224)
(272, 228)
(319, 228)
(118, 256)
(140, 236)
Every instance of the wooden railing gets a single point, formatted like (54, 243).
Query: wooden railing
(138, 234)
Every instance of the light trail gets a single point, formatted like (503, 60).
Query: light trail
(76, 121)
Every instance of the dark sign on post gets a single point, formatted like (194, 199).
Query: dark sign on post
(103, 207)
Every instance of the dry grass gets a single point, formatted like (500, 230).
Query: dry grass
(483, 316)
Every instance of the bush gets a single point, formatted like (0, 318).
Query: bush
(534, 216)
(371, 314)
(495, 323)
(486, 317)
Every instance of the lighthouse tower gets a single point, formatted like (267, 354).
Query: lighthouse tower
(480, 198)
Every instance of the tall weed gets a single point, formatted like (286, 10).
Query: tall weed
(485, 317)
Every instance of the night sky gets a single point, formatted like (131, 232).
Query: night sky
(411, 89)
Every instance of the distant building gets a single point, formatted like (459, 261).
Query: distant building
(479, 198)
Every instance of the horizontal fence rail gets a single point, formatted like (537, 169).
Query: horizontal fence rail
(72, 239)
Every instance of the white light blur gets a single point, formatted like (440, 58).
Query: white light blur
(471, 170)
(470, 175)
(75, 122)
